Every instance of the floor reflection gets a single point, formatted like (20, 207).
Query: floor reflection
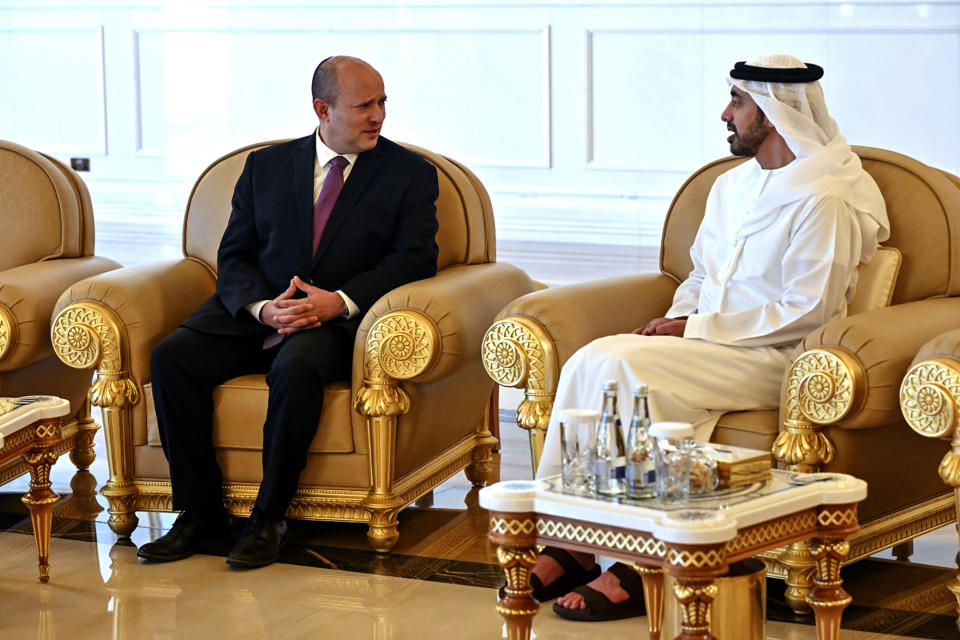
(439, 579)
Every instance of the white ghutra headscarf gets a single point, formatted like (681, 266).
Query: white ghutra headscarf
(825, 163)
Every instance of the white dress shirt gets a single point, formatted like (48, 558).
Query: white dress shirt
(320, 171)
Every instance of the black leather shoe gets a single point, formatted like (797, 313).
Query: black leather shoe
(260, 542)
(190, 533)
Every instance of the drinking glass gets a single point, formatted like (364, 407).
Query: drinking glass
(578, 437)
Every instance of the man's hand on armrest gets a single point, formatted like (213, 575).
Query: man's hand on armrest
(663, 327)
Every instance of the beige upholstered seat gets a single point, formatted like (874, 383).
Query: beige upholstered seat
(414, 413)
(46, 244)
(849, 420)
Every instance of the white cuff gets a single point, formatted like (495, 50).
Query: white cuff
(352, 308)
(694, 326)
(254, 309)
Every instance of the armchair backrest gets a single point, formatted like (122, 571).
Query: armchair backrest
(45, 209)
(466, 232)
(923, 205)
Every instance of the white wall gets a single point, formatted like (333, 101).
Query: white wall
(581, 118)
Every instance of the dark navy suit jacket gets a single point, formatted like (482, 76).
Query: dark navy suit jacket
(380, 234)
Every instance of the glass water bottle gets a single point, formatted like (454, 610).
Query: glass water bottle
(641, 449)
(610, 474)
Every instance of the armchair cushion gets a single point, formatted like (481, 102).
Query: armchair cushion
(876, 281)
(240, 408)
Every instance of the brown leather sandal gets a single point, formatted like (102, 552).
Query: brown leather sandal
(573, 576)
(599, 606)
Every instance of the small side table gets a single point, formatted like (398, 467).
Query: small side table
(693, 542)
(30, 427)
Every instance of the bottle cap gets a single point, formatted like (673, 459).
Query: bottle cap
(610, 385)
(671, 430)
(640, 389)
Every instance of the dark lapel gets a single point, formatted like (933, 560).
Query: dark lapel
(303, 159)
(360, 175)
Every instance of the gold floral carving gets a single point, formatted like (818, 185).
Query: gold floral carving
(929, 395)
(401, 345)
(823, 387)
(695, 597)
(8, 331)
(829, 381)
(518, 352)
(88, 335)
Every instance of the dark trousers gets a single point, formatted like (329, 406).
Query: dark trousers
(187, 366)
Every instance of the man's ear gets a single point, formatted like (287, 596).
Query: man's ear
(322, 109)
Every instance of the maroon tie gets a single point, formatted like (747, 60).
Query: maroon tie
(332, 185)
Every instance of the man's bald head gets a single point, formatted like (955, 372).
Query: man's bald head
(325, 85)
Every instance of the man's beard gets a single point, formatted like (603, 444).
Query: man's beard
(748, 142)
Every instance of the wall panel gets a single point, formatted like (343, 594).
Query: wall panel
(581, 119)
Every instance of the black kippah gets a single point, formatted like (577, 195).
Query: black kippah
(744, 71)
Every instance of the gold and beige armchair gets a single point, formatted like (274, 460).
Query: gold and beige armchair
(930, 402)
(46, 244)
(840, 405)
(416, 411)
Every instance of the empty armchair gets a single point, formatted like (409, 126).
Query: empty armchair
(46, 245)
(415, 412)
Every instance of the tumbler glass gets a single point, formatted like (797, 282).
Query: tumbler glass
(578, 438)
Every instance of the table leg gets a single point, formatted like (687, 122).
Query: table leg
(653, 597)
(695, 596)
(828, 598)
(41, 498)
(517, 606)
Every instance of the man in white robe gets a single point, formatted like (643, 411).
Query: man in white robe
(775, 257)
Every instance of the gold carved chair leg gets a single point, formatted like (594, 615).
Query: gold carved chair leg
(41, 498)
(484, 469)
(400, 345)
(82, 454)
(87, 335)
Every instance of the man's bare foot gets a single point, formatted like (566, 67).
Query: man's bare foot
(607, 584)
(548, 569)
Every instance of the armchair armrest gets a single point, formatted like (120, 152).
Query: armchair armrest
(849, 375)
(534, 335)
(27, 297)
(121, 315)
(574, 315)
(445, 316)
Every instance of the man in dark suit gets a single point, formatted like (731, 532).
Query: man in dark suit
(321, 228)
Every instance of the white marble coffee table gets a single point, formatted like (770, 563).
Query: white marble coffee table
(30, 427)
(694, 543)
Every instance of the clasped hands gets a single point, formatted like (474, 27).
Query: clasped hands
(663, 327)
(287, 314)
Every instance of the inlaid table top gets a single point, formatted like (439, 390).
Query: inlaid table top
(17, 413)
(710, 519)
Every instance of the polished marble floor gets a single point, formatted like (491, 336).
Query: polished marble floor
(438, 582)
